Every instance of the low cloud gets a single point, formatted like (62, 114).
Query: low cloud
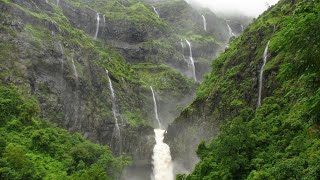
(246, 7)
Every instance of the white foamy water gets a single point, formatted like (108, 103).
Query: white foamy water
(230, 31)
(162, 164)
(97, 26)
(192, 61)
(204, 22)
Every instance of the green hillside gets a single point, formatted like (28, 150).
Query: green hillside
(279, 139)
(32, 148)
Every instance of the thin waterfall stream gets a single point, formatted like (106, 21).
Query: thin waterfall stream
(155, 10)
(204, 22)
(104, 20)
(230, 31)
(182, 51)
(155, 107)
(265, 56)
(74, 70)
(62, 60)
(97, 26)
(193, 68)
(76, 96)
(116, 133)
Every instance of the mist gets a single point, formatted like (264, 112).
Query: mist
(252, 8)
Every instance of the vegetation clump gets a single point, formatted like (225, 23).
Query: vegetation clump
(32, 148)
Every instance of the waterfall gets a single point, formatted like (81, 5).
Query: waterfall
(154, 9)
(117, 133)
(182, 50)
(182, 45)
(155, 107)
(62, 60)
(104, 21)
(192, 62)
(61, 48)
(230, 31)
(74, 70)
(58, 1)
(97, 26)
(265, 56)
(162, 164)
(242, 28)
(204, 23)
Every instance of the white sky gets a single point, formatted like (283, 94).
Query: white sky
(247, 7)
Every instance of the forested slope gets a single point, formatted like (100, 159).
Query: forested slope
(280, 138)
(33, 148)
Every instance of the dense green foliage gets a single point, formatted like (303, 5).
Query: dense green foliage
(163, 78)
(31, 148)
(280, 139)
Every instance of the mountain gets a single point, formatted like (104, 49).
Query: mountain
(240, 137)
(90, 64)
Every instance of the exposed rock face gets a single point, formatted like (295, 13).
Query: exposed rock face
(68, 79)
(188, 130)
(111, 29)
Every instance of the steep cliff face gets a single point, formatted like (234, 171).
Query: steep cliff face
(45, 55)
(59, 51)
(207, 36)
(271, 141)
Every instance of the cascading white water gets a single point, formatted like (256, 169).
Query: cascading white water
(242, 28)
(155, 10)
(58, 1)
(97, 26)
(204, 22)
(192, 61)
(162, 164)
(265, 56)
(230, 31)
(74, 70)
(155, 107)
(117, 132)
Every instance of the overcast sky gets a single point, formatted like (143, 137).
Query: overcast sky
(248, 7)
